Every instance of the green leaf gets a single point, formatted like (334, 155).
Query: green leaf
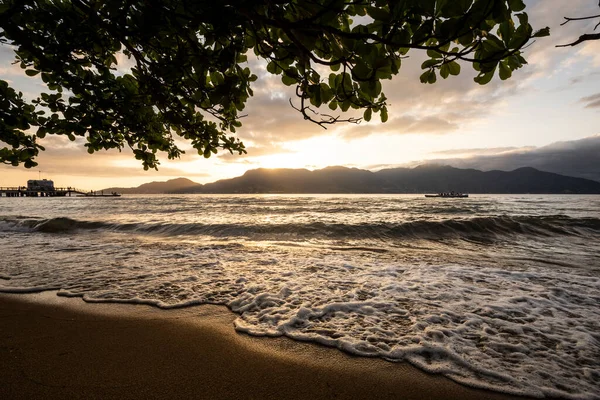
(542, 32)
(433, 53)
(288, 80)
(453, 68)
(326, 93)
(367, 114)
(362, 70)
(516, 5)
(432, 77)
(504, 71)
(384, 114)
(274, 68)
(31, 72)
(424, 31)
(314, 92)
(523, 18)
(378, 13)
(444, 71)
(484, 78)
(466, 39)
(506, 30)
(453, 8)
(430, 63)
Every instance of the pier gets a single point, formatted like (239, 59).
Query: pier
(45, 188)
(23, 191)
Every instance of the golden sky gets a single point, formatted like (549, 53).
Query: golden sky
(555, 98)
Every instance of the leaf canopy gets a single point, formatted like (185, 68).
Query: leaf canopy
(191, 78)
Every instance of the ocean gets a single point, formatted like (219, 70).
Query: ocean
(500, 292)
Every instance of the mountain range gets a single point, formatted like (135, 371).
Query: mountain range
(421, 179)
(579, 158)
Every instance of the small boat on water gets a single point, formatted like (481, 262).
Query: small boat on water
(99, 194)
(448, 194)
(94, 194)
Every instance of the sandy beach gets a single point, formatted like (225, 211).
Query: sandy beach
(54, 347)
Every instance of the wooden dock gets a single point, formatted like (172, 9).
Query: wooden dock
(23, 191)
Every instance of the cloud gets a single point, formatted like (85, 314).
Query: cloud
(254, 151)
(268, 116)
(457, 103)
(480, 151)
(444, 107)
(591, 50)
(64, 156)
(11, 70)
(544, 58)
(580, 158)
(403, 125)
(592, 101)
(590, 75)
(124, 63)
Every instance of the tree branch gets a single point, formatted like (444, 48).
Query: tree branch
(579, 19)
(582, 38)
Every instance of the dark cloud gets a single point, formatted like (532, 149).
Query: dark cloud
(592, 101)
(580, 158)
(478, 151)
(593, 104)
(583, 78)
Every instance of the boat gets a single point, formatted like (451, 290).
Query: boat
(114, 194)
(449, 195)
(99, 194)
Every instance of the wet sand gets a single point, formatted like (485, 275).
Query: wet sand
(55, 348)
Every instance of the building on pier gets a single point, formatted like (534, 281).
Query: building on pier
(40, 185)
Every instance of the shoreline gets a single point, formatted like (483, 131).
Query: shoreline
(57, 347)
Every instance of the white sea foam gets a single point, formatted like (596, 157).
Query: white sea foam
(514, 315)
(524, 333)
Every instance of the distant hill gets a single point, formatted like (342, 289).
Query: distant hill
(170, 186)
(327, 180)
(422, 179)
(578, 158)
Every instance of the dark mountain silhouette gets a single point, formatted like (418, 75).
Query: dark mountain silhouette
(579, 158)
(327, 180)
(422, 179)
(169, 186)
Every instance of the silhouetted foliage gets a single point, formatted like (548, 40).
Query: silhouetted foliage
(191, 77)
(585, 37)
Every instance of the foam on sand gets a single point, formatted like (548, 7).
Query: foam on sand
(533, 332)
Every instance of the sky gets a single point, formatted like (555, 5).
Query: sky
(549, 107)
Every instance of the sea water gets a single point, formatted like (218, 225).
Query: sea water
(499, 292)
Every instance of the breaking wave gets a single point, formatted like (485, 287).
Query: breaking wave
(420, 229)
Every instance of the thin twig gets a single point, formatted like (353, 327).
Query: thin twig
(568, 19)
